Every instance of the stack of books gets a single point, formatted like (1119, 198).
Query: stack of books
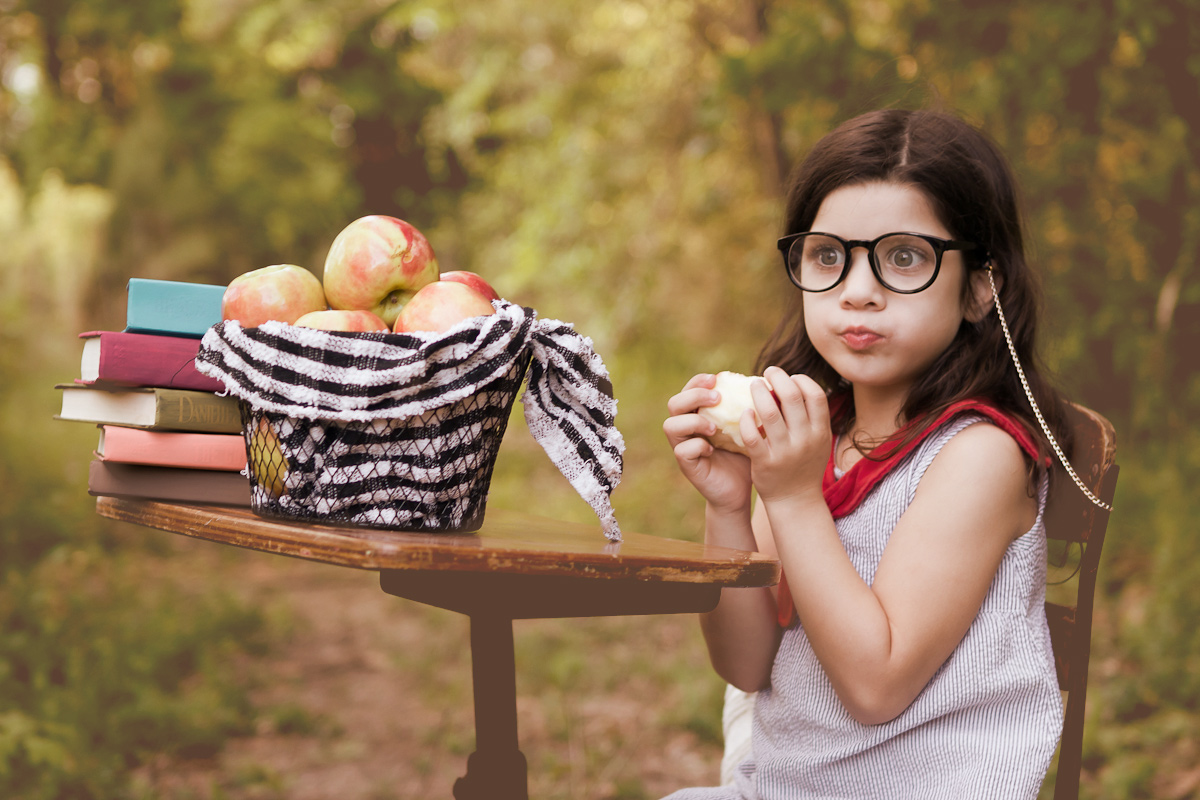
(164, 431)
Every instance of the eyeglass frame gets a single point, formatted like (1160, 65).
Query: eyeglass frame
(938, 244)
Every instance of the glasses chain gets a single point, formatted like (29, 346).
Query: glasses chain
(1037, 412)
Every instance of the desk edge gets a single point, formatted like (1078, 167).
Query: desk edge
(331, 547)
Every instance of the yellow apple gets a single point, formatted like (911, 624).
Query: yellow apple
(734, 389)
(267, 460)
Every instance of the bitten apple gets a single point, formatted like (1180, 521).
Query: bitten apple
(342, 320)
(734, 389)
(376, 264)
(440, 306)
(283, 292)
(473, 280)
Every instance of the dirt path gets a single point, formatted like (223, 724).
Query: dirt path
(369, 697)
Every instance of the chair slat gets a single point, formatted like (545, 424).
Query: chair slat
(1062, 630)
(1072, 517)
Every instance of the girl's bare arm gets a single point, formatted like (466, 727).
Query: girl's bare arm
(741, 632)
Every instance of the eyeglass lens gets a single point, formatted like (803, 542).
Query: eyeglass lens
(904, 262)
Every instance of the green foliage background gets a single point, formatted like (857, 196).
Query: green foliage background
(614, 163)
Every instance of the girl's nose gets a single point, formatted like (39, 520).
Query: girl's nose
(860, 287)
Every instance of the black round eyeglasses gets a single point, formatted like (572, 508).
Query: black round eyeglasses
(905, 263)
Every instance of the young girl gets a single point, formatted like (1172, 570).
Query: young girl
(901, 477)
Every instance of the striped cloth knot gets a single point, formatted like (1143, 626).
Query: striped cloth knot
(361, 377)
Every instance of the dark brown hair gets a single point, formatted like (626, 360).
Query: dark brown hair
(973, 192)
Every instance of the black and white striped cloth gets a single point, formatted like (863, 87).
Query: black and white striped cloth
(322, 375)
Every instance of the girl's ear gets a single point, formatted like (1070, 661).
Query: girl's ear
(981, 298)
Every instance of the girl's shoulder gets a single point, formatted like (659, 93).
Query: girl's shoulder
(969, 440)
(971, 461)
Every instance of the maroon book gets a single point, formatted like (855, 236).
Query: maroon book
(141, 359)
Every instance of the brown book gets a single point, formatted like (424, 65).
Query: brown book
(170, 484)
(159, 408)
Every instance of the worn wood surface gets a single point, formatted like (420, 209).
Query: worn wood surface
(509, 542)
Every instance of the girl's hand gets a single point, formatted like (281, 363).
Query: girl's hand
(721, 477)
(789, 453)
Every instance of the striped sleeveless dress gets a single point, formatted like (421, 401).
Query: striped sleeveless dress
(985, 726)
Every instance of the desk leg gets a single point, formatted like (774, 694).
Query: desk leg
(497, 769)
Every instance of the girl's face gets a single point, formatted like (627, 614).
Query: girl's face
(874, 338)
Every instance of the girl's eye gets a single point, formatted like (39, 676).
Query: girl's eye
(825, 257)
(907, 257)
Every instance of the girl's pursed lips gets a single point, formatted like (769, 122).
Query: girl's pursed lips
(859, 338)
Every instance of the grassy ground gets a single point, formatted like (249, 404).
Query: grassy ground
(368, 697)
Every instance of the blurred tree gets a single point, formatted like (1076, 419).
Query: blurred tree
(231, 137)
(621, 185)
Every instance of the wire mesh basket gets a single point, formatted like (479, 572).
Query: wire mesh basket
(429, 472)
(402, 430)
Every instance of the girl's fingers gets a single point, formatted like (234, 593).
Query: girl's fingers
(696, 393)
(690, 451)
(764, 420)
(752, 436)
(789, 397)
(686, 426)
(769, 414)
(816, 404)
(793, 408)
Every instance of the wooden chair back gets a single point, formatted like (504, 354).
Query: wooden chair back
(1071, 517)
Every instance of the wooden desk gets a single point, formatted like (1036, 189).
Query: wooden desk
(515, 567)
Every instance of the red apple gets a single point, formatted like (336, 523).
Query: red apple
(440, 306)
(342, 320)
(376, 264)
(474, 281)
(282, 292)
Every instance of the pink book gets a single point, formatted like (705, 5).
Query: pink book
(216, 451)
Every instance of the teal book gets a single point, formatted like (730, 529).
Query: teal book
(175, 308)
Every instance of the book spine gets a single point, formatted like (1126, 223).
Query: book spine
(197, 411)
(136, 359)
(172, 307)
(215, 451)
